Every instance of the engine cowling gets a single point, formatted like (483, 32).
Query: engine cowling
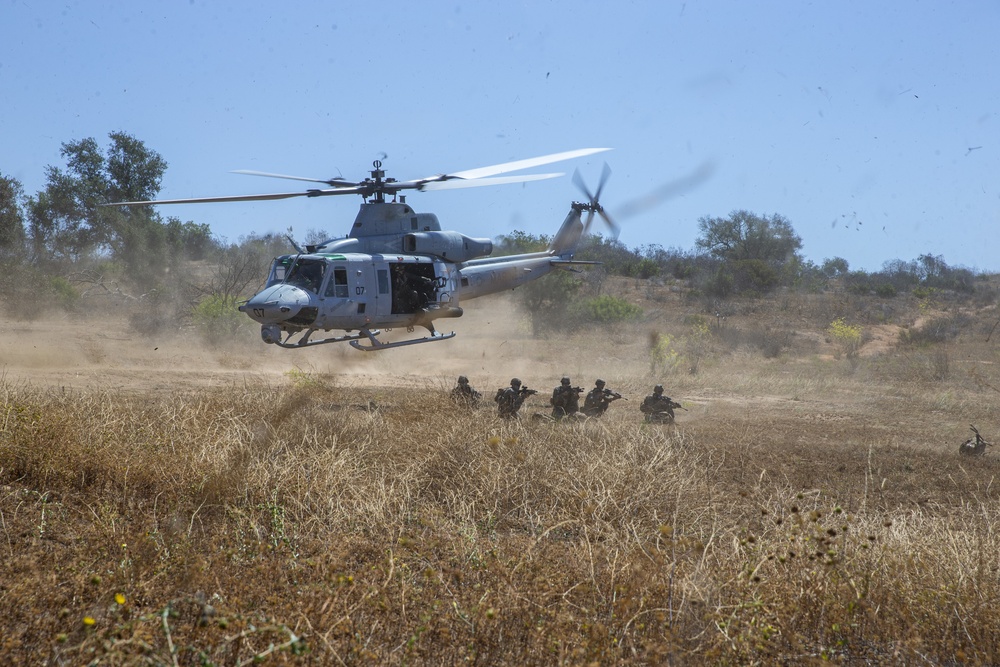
(451, 246)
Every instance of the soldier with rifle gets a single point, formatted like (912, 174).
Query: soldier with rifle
(565, 399)
(463, 394)
(598, 399)
(509, 400)
(659, 409)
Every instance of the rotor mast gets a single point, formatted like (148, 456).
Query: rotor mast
(378, 174)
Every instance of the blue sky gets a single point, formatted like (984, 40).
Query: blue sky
(872, 127)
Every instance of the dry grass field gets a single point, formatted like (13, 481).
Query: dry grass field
(169, 501)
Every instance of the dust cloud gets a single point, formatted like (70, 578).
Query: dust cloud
(494, 342)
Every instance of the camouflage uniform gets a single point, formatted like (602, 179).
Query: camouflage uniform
(463, 394)
(565, 399)
(509, 400)
(598, 399)
(659, 409)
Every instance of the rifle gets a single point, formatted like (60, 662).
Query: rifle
(527, 392)
(613, 395)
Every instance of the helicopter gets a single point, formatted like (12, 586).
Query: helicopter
(398, 268)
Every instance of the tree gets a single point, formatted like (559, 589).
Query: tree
(746, 236)
(755, 251)
(134, 172)
(834, 267)
(547, 300)
(55, 220)
(240, 266)
(11, 217)
(66, 219)
(193, 240)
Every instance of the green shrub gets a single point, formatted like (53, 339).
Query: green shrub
(64, 292)
(216, 315)
(885, 291)
(607, 309)
(936, 330)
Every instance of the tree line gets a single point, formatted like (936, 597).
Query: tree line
(741, 256)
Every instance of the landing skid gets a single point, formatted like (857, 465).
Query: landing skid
(305, 342)
(377, 345)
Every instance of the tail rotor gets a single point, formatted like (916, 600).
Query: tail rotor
(593, 204)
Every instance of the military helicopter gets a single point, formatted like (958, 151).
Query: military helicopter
(397, 267)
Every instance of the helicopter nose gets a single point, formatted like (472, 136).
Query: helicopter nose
(280, 303)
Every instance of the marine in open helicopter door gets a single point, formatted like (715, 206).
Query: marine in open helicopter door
(446, 279)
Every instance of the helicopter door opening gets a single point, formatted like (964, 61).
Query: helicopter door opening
(414, 288)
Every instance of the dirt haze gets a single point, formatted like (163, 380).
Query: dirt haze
(922, 396)
(493, 344)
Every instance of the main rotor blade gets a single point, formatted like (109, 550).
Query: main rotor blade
(478, 182)
(210, 200)
(470, 178)
(335, 182)
(517, 165)
(674, 188)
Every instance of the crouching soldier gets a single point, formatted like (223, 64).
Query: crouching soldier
(565, 399)
(509, 400)
(659, 409)
(598, 399)
(464, 395)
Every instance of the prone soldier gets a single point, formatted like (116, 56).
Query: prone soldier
(463, 394)
(659, 409)
(510, 399)
(565, 399)
(598, 399)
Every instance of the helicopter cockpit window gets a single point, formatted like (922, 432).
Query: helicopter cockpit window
(338, 286)
(279, 267)
(307, 274)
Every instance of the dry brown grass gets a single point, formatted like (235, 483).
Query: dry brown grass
(805, 508)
